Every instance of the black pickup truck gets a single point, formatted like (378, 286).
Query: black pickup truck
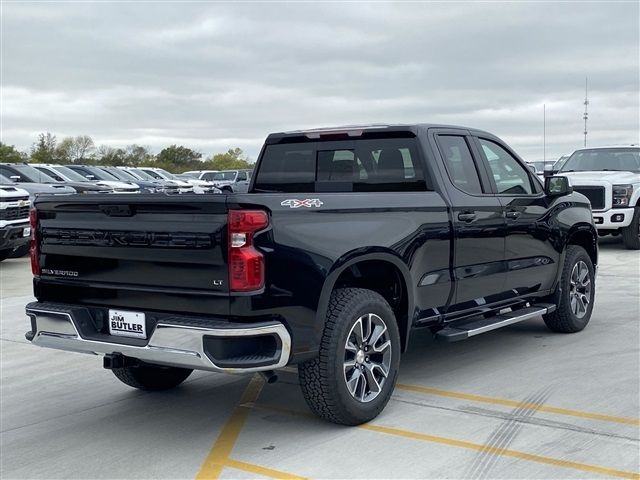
(347, 241)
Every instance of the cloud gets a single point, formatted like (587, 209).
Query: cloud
(218, 75)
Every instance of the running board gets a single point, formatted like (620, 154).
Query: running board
(464, 330)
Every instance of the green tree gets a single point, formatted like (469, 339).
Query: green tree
(110, 156)
(137, 155)
(44, 150)
(234, 158)
(75, 149)
(9, 154)
(177, 159)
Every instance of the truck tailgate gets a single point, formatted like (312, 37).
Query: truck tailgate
(165, 251)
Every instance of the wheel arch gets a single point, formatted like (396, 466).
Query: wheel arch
(586, 236)
(370, 270)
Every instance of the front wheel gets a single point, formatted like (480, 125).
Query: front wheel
(631, 234)
(574, 294)
(4, 254)
(353, 378)
(146, 376)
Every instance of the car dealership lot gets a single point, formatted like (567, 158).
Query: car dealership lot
(520, 402)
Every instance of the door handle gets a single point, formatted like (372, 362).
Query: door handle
(513, 214)
(466, 217)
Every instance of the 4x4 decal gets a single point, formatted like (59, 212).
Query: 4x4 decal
(306, 203)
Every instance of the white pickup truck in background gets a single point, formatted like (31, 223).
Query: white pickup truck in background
(15, 230)
(610, 178)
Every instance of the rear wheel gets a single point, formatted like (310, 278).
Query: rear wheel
(4, 254)
(146, 376)
(574, 294)
(354, 376)
(631, 234)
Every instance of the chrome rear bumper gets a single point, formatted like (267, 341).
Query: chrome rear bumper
(179, 345)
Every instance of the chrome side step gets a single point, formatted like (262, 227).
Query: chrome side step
(463, 330)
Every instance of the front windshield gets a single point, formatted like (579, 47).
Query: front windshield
(126, 175)
(100, 174)
(168, 175)
(33, 175)
(603, 159)
(142, 174)
(72, 175)
(117, 174)
(156, 176)
(225, 176)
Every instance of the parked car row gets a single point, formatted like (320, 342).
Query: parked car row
(69, 179)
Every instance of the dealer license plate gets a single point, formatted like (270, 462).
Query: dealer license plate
(127, 324)
(26, 231)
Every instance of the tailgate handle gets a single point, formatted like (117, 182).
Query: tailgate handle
(117, 210)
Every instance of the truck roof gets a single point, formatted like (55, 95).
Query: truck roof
(358, 130)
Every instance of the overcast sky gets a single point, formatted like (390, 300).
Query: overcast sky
(217, 75)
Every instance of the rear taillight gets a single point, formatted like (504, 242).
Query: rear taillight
(246, 264)
(35, 245)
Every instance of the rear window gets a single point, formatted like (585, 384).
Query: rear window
(376, 165)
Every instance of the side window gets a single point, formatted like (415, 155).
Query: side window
(208, 176)
(509, 175)
(459, 163)
(242, 177)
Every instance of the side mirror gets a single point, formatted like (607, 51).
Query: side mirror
(90, 177)
(557, 186)
(15, 178)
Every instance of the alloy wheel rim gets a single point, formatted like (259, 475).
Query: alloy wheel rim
(580, 289)
(367, 357)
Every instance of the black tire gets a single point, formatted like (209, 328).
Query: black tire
(564, 319)
(4, 254)
(21, 251)
(324, 379)
(151, 377)
(631, 234)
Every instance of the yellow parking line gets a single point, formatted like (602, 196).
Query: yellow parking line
(584, 467)
(515, 403)
(219, 454)
(257, 469)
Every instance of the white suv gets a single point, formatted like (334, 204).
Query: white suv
(610, 178)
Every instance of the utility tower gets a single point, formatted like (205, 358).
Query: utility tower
(586, 104)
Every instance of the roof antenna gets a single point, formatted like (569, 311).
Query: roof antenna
(586, 103)
(544, 134)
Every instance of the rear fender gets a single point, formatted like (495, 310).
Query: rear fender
(360, 255)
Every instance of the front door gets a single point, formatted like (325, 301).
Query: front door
(531, 258)
(479, 226)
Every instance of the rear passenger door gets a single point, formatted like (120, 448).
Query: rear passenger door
(478, 223)
(531, 259)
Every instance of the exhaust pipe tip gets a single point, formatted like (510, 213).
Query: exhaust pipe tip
(269, 376)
